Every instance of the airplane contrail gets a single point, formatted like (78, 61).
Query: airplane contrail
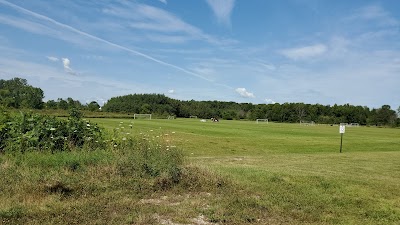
(40, 16)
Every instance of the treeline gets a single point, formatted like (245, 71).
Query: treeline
(287, 112)
(17, 93)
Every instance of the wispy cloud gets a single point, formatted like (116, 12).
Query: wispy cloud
(163, 1)
(55, 84)
(156, 21)
(172, 91)
(305, 52)
(148, 10)
(244, 93)
(53, 59)
(222, 10)
(375, 13)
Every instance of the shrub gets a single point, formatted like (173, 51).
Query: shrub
(27, 131)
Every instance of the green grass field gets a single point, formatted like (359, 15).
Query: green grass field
(297, 171)
(269, 173)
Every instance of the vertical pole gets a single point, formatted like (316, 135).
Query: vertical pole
(341, 141)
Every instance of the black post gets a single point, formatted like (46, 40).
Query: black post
(341, 141)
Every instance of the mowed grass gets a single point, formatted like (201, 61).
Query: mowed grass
(236, 172)
(296, 171)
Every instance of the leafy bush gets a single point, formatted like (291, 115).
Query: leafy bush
(27, 131)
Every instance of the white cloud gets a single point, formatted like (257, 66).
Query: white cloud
(244, 93)
(172, 91)
(269, 101)
(375, 13)
(268, 66)
(305, 52)
(222, 10)
(53, 59)
(66, 63)
(204, 70)
(163, 1)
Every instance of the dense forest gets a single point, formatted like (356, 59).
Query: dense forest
(16, 93)
(287, 112)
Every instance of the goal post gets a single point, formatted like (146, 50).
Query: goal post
(193, 117)
(262, 121)
(142, 116)
(307, 123)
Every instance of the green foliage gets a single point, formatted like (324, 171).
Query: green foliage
(34, 132)
(16, 93)
(287, 112)
(93, 106)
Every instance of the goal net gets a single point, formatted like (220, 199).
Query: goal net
(353, 125)
(262, 121)
(171, 117)
(307, 123)
(142, 116)
(193, 117)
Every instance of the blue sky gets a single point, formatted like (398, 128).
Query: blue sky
(258, 51)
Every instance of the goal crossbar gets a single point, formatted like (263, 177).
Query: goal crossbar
(136, 116)
(262, 120)
(307, 123)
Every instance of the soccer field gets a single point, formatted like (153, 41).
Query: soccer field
(296, 171)
(246, 138)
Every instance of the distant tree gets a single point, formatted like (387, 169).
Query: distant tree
(301, 112)
(93, 106)
(398, 112)
(51, 104)
(17, 93)
(385, 116)
(62, 104)
(145, 109)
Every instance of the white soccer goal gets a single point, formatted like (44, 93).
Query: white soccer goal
(171, 117)
(307, 123)
(262, 121)
(142, 116)
(193, 117)
(353, 125)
